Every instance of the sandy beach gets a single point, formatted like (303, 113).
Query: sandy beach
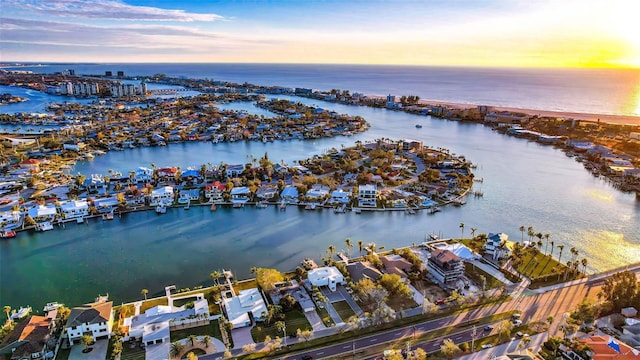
(612, 119)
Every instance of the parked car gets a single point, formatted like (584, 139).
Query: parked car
(488, 328)
(486, 346)
(440, 302)
(517, 322)
(520, 334)
(516, 316)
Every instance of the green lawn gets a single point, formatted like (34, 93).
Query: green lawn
(344, 310)
(153, 302)
(294, 320)
(213, 330)
(474, 273)
(324, 315)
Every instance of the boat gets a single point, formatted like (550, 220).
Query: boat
(310, 206)
(357, 210)
(418, 126)
(261, 205)
(340, 209)
(188, 205)
(21, 313)
(432, 237)
(45, 226)
(51, 306)
(213, 207)
(283, 205)
(161, 209)
(7, 234)
(410, 211)
(80, 220)
(433, 210)
(107, 216)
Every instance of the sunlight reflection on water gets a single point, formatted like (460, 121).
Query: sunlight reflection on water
(599, 195)
(612, 247)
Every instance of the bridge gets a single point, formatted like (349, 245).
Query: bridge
(167, 91)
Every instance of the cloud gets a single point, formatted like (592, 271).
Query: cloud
(106, 9)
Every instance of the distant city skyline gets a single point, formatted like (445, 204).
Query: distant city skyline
(496, 33)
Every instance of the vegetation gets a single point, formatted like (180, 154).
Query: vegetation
(622, 290)
(267, 278)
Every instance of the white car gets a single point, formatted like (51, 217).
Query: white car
(486, 346)
(517, 322)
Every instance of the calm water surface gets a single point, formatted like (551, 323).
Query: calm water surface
(524, 184)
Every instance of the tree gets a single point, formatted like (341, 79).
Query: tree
(473, 232)
(461, 226)
(546, 236)
(7, 310)
(449, 349)
(192, 356)
(87, 340)
(395, 286)
(331, 250)
(370, 293)
(417, 354)
(267, 278)
(215, 276)
(521, 228)
(622, 290)
(560, 247)
(584, 265)
(144, 292)
(504, 330)
(175, 349)
(205, 341)
(193, 339)
(249, 348)
(304, 335)
(349, 245)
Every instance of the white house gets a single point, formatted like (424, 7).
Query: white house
(367, 194)
(163, 195)
(339, 197)
(326, 276)
(317, 192)
(234, 170)
(106, 205)
(495, 247)
(238, 307)
(73, 209)
(240, 195)
(73, 146)
(43, 212)
(94, 318)
(289, 194)
(213, 192)
(10, 220)
(143, 174)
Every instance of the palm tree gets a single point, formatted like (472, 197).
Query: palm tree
(584, 265)
(175, 349)
(546, 236)
(349, 245)
(215, 276)
(371, 248)
(205, 341)
(473, 232)
(86, 340)
(551, 252)
(461, 226)
(560, 247)
(360, 246)
(521, 228)
(193, 339)
(144, 292)
(530, 232)
(331, 250)
(7, 310)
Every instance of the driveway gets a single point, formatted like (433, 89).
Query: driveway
(99, 351)
(350, 301)
(241, 337)
(314, 320)
(507, 348)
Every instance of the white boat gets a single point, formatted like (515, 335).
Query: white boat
(21, 313)
(51, 306)
(357, 210)
(310, 206)
(161, 209)
(107, 216)
(340, 209)
(80, 220)
(45, 226)
(261, 205)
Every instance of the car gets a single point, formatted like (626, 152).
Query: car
(440, 302)
(519, 334)
(516, 316)
(486, 346)
(306, 357)
(517, 322)
(488, 328)
(5, 201)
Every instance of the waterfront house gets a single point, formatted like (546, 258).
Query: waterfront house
(445, 267)
(10, 220)
(339, 197)
(363, 269)
(167, 174)
(30, 164)
(328, 276)
(396, 264)
(213, 192)
(73, 209)
(45, 212)
(143, 175)
(163, 195)
(234, 170)
(154, 325)
(239, 307)
(266, 192)
(105, 205)
(28, 339)
(607, 347)
(240, 195)
(188, 196)
(496, 246)
(411, 145)
(317, 192)
(367, 194)
(289, 194)
(94, 318)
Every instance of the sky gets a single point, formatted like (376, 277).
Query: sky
(495, 33)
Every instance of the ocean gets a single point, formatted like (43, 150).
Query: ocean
(598, 91)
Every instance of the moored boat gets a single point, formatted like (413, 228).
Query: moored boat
(7, 234)
(161, 209)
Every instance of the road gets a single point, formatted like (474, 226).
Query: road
(535, 305)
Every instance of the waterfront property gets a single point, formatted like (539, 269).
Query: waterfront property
(29, 339)
(445, 267)
(328, 276)
(367, 195)
(94, 318)
(245, 307)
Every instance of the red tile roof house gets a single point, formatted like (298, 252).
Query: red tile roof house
(28, 340)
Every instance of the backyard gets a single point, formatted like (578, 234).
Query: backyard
(294, 320)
